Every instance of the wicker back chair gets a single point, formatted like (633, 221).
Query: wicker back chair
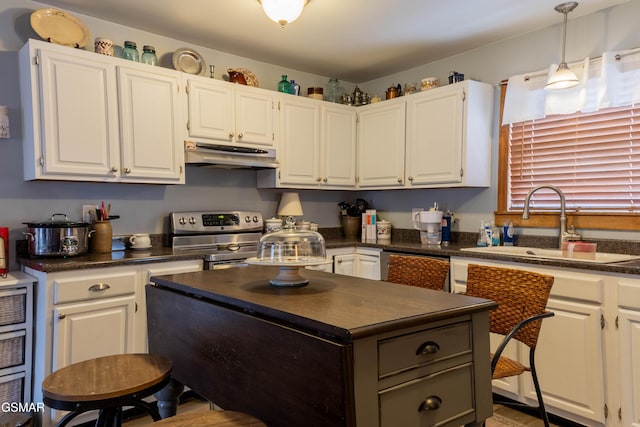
(423, 272)
(522, 297)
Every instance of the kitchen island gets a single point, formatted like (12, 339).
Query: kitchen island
(341, 351)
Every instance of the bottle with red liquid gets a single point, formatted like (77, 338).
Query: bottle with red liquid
(4, 251)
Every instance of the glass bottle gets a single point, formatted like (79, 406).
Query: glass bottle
(284, 86)
(334, 91)
(130, 51)
(295, 88)
(149, 55)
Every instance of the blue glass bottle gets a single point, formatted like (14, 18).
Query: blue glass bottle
(149, 55)
(295, 88)
(130, 51)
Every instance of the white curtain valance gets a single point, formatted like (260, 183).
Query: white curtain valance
(610, 81)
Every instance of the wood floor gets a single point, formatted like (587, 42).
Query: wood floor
(503, 416)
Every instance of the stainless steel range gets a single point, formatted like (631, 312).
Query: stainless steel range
(226, 238)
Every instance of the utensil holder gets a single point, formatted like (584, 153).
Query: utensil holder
(101, 238)
(351, 226)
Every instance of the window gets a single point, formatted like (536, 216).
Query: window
(594, 158)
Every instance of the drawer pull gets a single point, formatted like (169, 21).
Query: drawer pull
(428, 347)
(431, 403)
(61, 316)
(99, 287)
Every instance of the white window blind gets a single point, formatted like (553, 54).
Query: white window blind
(594, 158)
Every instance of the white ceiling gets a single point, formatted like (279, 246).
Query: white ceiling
(353, 40)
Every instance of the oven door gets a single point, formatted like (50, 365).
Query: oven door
(220, 265)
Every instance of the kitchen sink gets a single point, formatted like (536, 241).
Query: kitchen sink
(529, 252)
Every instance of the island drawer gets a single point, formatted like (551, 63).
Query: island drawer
(424, 347)
(93, 287)
(450, 391)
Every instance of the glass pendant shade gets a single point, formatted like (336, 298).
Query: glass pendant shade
(283, 11)
(563, 78)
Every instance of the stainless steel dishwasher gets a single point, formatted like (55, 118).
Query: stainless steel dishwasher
(384, 265)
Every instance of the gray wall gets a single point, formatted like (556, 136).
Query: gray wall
(144, 208)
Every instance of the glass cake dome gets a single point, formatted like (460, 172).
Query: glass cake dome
(290, 249)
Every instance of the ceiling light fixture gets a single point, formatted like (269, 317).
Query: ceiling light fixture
(283, 11)
(563, 78)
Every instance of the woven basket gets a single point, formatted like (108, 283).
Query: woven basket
(12, 309)
(12, 390)
(11, 351)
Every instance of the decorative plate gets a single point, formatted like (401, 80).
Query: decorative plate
(249, 77)
(60, 27)
(189, 61)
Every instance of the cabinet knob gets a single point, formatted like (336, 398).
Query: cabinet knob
(114, 169)
(127, 170)
(428, 347)
(318, 179)
(339, 261)
(431, 403)
(99, 287)
(230, 135)
(410, 178)
(324, 180)
(61, 316)
(240, 135)
(400, 180)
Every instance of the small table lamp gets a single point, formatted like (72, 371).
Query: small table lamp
(290, 207)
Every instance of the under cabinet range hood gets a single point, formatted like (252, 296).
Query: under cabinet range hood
(225, 156)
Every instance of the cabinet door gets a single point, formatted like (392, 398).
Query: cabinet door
(338, 145)
(570, 360)
(254, 123)
(210, 110)
(78, 112)
(434, 137)
(300, 141)
(150, 115)
(381, 138)
(345, 264)
(629, 355)
(92, 329)
(368, 266)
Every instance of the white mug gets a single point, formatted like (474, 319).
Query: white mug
(141, 240)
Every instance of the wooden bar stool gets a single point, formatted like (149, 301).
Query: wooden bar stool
(107, 384)
(210, 419)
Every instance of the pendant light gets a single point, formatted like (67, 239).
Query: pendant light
(283, 11)
(563, 78)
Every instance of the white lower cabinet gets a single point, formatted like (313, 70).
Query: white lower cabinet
(84, 314)
(571, 351)
(359, 262)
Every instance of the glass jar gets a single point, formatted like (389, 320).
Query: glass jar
(295, 88)
(149, 55)
(130, 51)
(334, 91)
(284, 85)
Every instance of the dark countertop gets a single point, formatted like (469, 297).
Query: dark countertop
(166, 254)
(341, 307)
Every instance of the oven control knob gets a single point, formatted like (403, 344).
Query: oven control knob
(182, 221)
(247, 218)
(192, 220)
(255, 218)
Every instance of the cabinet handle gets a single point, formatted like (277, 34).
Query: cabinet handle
(428, 347)
(230, 135)
(127, 170)
(99, 287)
(339, 261)
(410, 178)
(61, 316)
(431, 403)
(240, 135)
(318, 179)
(114, 169)
(400, 180)
(324, 180)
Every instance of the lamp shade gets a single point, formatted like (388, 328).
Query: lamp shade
(283, 11)
(290, 205)
(563, 78)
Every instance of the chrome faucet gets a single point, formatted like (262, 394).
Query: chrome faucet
(565, 236)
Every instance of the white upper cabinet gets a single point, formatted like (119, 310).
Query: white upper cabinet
(317, 146)
(449, 136)
(229, 114)
(381, 141)
(90, 117)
